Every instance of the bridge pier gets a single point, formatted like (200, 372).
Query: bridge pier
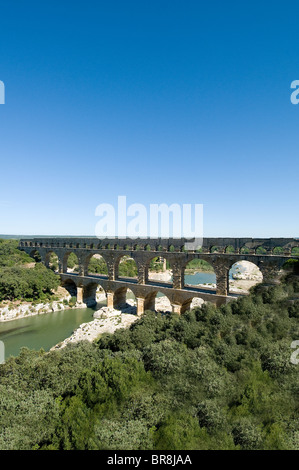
(178, 276)
(269, 272)
(110, 261)
(60, 267)
(149, 303)
(110, 299)
(176, 308)
(140, 306)
(80, 294)
(120, 297)
(142, 274)
(222, 278)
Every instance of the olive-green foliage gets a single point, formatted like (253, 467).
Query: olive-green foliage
(10, 255)
(213, 378)
(127, 268)
(156, 265)
(97, 266)
(72, 261)
(53, 262)
(199, 265)
(20, 282)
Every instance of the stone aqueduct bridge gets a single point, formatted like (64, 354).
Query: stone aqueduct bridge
(214, 251)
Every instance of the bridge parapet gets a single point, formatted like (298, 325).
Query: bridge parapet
(210, 245)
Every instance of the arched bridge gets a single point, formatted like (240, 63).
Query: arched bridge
(221, 253)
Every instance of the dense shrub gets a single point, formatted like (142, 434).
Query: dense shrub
(213, 378)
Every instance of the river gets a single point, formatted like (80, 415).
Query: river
(44, 331)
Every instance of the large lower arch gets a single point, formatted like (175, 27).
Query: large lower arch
(70, 286)
(89, 294)
(191, 303)
(158, 302)
(101, 296)
(243, 275)
(124, 299)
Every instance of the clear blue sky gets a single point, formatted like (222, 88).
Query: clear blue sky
(161, 101)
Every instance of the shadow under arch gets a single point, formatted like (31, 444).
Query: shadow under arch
(89, 294)
(35, 254)
(191, 303)
(70, 286)
(157, 302)
(124, 299)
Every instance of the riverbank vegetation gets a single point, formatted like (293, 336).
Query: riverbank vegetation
(198, 265)
(213, 378)
(19, 280)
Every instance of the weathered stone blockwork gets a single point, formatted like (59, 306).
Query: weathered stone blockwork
(215, 251)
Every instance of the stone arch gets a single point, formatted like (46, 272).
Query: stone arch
(70, 286)
(243, 275)
(191, 303)
(101, 295)
(52, 260)
(278, 250)
(245, 250)
(71, 263)
(35, 254)
(147, 247)
(124, 298)
(229, 249)
(89, 294)
(200, 273)
(157, 301)
(261, 250)
(126, 267)
(159, 269)
(215, 249)
(295, 251)
(95, 264)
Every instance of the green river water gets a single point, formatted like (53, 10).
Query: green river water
(44, 331)
(41, 331)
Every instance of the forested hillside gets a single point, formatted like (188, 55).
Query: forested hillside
(19, 280)
(210, 379)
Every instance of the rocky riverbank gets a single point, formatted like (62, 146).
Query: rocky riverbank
(107, 320)
(161, 276)
(28, 309)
